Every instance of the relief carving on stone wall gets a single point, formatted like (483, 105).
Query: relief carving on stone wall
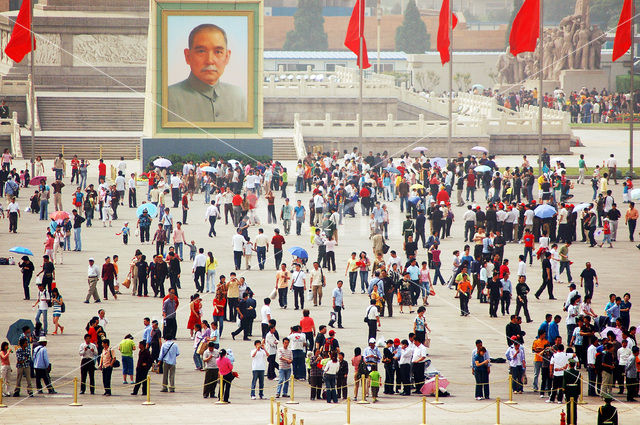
(48, 49)
(109, 50)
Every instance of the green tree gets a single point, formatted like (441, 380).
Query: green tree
(308, 32)
(412, 36)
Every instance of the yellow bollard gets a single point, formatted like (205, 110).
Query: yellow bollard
(570, 409)
(100, 152)
(301, 421)
(148, 384)
(293, 419)
(271, 422)
(137, 152)
(424, 411)
(75, 393)
(510, 392)
(292, 400)
(2, 405)
(286, 416)
(278, 413)
(437, 400)
(363, 399)
(581, 399)
(497, 410)
(221, 393)
(348, 411)
(62, 149)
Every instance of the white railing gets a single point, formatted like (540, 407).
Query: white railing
(12, 127)
(32, 115)
(13, 87)
(298, 140)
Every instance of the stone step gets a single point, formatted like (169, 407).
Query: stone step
(90, 113)
(283, 149)
(85, 147)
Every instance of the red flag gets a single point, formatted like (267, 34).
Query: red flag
(443, 31)
(355, 30)
(622, 41)
(526, 28)
(20, 42)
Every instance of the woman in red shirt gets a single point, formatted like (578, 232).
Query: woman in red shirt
(219, 303)
(308, 328)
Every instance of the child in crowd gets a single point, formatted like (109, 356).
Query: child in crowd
(376, 381)
(192, 250)
(125, 233)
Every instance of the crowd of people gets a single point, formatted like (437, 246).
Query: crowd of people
(521, 207)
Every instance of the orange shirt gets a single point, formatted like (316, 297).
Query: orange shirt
(464, 286)
(538, 344)
(306, 323)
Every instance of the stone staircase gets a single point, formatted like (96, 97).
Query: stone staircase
(50, 145)
(284, 149)
(90, 113)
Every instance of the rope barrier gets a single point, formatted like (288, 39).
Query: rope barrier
(463, 411)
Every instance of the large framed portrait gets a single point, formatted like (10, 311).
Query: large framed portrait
(208, 64)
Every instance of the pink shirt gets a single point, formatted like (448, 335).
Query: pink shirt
(178, 236)
(225, 366)
(49, 243)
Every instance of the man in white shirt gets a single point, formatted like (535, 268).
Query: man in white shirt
(559, 362)
(298, 341)
(120, 184)
(612, 165)
(262, 247)
(528, 218)
(14, 212)
(316, 280)
(265, 315)
(237, 242)
(93, 274)
(211, 215)
(522, 266)
(418, 359)
(131, 185)
(258, 365)
(591, 366)
(318, 202)
(122, 166)
(406, 356)
(563, 226)
(469, 219)
(298, 285)
(199, 269)
(394, 259)
(175, 182)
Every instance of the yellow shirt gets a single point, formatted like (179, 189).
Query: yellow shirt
(351, 265)
(232, 289)
(282, 279)
(211, 266)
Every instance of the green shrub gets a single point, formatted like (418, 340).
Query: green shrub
(179, 160)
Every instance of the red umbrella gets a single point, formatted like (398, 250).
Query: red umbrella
(37, 180)
(59, 215)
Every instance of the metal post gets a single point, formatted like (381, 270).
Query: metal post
(379, 16)
(424, 411)
(348, 411)
(2, 405)
(571, 409)
(32, 90)
(75, 393)
(293, 419)
(541, 78)
(450, 126)
(437, 400)
(292, 400)
(497, 410)
(360, 109)
(631, 103)
(286, 417)
(510, 392)
(221, 393)
(271, 422)
(581, 399)
(148, 384)
(363, 399)
(278, 413)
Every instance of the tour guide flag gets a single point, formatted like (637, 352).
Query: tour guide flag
(443, 31)
(622, 41)
(354, 32)
(20, 42)
(525, 29)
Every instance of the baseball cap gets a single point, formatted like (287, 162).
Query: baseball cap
(332, 332)
(91, 259)
(396, 341)
(372, 340)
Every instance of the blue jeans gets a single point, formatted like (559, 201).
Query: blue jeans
(58, 173)
(330, 384)
(45, 323)
(178, 247)
(262, 256)
(258, 375)
(528, 251)
(77, 239)
(127, 365)
(44, 204)
(207, 195)
(353, 279)
(565, 265)
(437, 274)
(404, 200)
(284, 375)
(83, 180)
(219, 320)
(67, 243)
(197, 359)
(364, 280)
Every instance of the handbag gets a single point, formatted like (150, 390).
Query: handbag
(366, 316)
(273, 294)
(309, 295)
(202, 347)
(155, 368)
(116, 363)
(126, 283)
(427, 341)
(385, 248)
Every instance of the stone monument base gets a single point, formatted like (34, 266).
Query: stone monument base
(548, 86)
(576, 79)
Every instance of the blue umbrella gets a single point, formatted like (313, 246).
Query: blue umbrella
(440, 162)
(392, 170)
(21, 250)
(298, 252)
(151, 209)
(482, 169)
(544, 211)
(15, 330)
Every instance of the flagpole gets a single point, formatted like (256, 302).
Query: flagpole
(32, 90)
(360, 34)
(632, 100)
(541, 76)
(450, 126)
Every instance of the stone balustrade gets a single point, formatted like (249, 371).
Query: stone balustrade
(298, 139)
(12, 127)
